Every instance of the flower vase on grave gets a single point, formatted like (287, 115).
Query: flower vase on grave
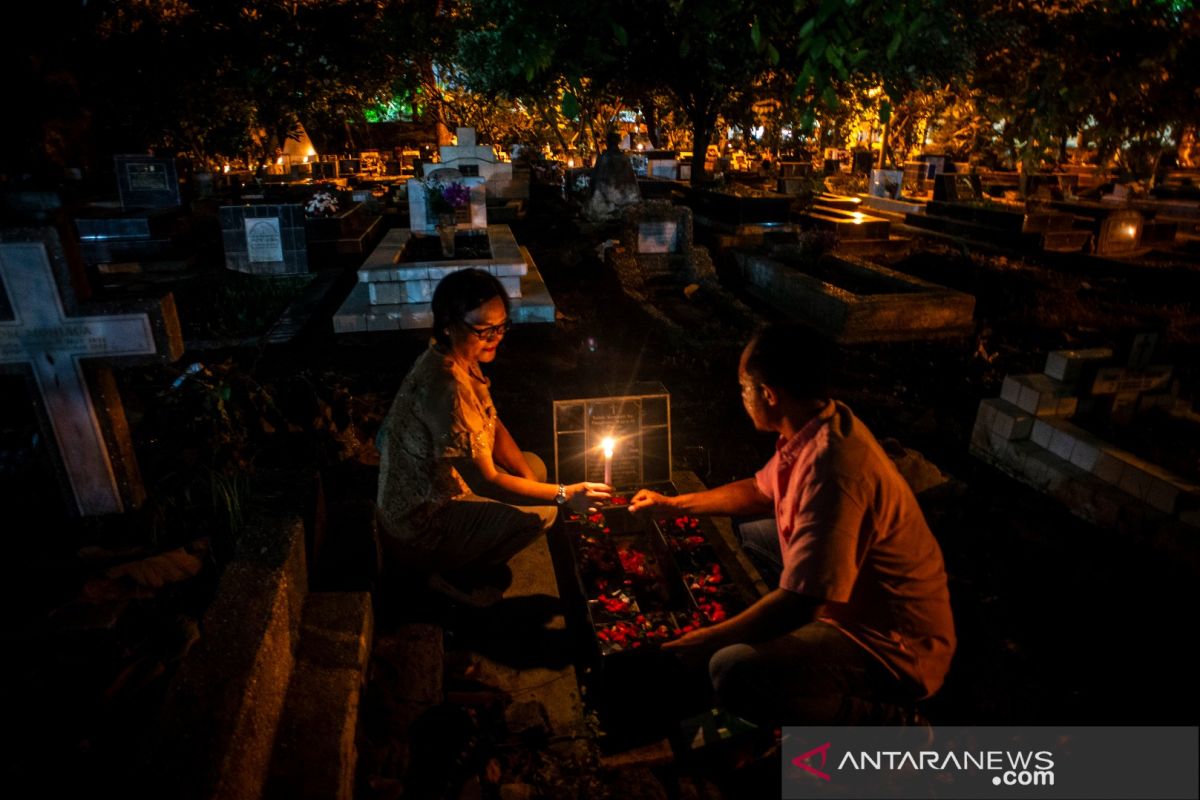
(446, 226)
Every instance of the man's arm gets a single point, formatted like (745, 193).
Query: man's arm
(773, 615)
(739, 497)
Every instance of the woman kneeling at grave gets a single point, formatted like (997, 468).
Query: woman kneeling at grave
(457, 498)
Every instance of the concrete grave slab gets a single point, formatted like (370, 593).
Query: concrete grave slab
(853, 300)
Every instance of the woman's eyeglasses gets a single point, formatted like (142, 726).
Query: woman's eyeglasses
(492, 332)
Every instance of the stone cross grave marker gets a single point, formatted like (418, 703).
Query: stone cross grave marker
(640, 424)
(48, 339)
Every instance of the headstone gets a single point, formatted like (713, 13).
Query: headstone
(474, 160)
(657, 237)
(1120, 232)
(422, 218)
(662, 164)
(267, 239)
(887, 183)
(863, 161)
(147, 181)
(638, 422)
(934, 165)
(1123, 386)
(49, 340)
(955, 187)
(656, 245)
(614, 184)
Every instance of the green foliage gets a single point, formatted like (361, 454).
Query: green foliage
(215, 79)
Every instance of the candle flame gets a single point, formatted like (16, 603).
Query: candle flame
(608, 444)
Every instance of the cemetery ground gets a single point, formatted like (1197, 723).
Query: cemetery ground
(1058, 621)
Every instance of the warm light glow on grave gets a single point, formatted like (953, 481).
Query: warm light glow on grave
(279, 161)
(570, 162)
(858, 217)
(1130, 231)
(225, 168)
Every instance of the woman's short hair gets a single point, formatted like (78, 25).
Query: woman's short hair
(460, 293)
(793, 358)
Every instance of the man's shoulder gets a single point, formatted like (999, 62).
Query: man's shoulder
(845, 446)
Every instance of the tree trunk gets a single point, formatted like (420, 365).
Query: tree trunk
(883, 143)
(650, 115)
(702, 130)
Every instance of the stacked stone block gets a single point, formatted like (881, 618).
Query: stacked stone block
(1026, 432)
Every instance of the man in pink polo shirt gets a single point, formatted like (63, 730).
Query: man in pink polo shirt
(859, 625)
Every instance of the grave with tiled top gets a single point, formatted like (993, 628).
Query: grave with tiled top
(1032, 432)
(396, 282)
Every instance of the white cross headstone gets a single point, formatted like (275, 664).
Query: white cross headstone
(52, 344)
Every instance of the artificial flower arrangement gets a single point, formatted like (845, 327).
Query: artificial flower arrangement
(322, 204)
(445, 197)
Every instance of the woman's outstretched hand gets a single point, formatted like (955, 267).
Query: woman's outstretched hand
(582, 497)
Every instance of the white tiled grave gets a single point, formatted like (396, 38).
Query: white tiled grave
(393, 295)
(1026, 433)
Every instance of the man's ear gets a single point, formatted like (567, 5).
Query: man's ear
(769, 395)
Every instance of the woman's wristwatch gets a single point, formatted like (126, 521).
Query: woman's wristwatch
(560, 497)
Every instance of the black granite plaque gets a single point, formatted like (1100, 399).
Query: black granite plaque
(147, 182)
(640, 426)
(955, 187)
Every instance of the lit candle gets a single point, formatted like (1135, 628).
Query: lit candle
(607, 443)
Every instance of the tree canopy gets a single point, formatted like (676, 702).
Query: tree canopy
(212, 80)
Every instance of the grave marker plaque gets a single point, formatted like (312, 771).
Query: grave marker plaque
(887, 183)
(640, 424)
(48, 341)
(265, 239)
(657, 237)
(147, 182)
(263, 242)
(955, 187)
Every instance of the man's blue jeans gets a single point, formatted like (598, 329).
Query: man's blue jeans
(760, 541)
